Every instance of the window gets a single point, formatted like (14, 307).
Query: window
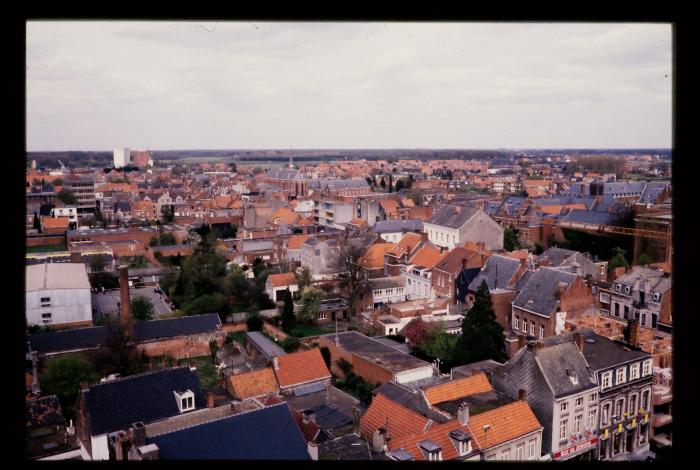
(619, 406)
(633, 405)
(646, 368)
(516, 322)
(531, 448)
(541, 331)
(604, 298)
(491, 457)
(564, 407)
(45, 300)
(579, 402)
(593, 397)
(645, 400)
(644, 319)
(606, 414)
(577, 424)
(620, 376)
(322, 315)
(524, 326)
(591, 419)
(520, 451)
(505, 455)
(532, 328)
(617, 310)
(563, 429)
(45, 315)
(627, 311)
(634, 371)
(606, 378)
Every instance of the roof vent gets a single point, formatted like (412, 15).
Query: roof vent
(590, 340)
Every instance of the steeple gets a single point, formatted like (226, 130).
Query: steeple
(291, 163)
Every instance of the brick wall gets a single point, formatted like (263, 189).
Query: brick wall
(46, 241)
(576, 299)
(365, 369)
(666, 308)
(503, 307)
(184, 347)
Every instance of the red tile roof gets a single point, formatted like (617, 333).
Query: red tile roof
(455, 389)
(506, 422)
(253, 384)
(296, 241)
(428, 256)
(282, 280)
(396, 419)
(374, 256)
(301, 367)
(439, 434)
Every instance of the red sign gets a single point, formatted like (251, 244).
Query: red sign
(574, 449)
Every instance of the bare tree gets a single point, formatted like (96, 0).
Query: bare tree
(348, 269)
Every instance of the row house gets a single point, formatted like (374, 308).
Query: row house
(625, 377)
(645, 295)
(555, 257)
(418, 273)
(386, 290)
(402, 251)
(453, 274)
(545, 301)
(454, 225)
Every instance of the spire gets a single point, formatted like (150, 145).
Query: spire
(291, 163)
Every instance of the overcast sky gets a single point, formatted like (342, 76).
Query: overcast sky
(256, 85)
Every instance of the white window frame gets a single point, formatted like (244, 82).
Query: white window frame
(632, 404)
(524, 325)
(579, 401)
(564, 406)
(593, 397)
(606, 418)
(541, 331)
(520, 451)
(646, 368)
(516, 322)
(322, 315)
(578, 420)
(634, 371)
(621, 376)
(505, 454)
(532, 328)
(591, 419)
(604, 298)
(563, 429)
(606, 380)
(531, 448)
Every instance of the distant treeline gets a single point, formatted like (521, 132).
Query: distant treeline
(104, 159)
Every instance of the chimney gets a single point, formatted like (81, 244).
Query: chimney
(120, 443)
(275, 362)
(210, 400)
(522, 394)
(75, 257)
(578, 337)
(561, 288)
(463, 414)
(378, 440)
(138, 434)
(632, 332)
(125, 300)
(149, 452)
(521, 342)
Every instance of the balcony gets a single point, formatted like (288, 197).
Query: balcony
(661, 419)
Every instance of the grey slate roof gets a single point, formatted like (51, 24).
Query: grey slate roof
(92, 337)
(387, 226)
(284, 174)
(338, 184)
(386, 282)
(602, 353)
(148, 397)
(452, 216)
(264, 345)
(557, 362)
(270, 433)
(588, 217)
(539, 292)
(555, 255)
(497, 272)
(658, 280)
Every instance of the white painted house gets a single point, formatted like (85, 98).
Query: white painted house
(454, 225)
(58, 294)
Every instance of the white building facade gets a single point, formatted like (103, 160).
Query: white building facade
(58, 294)
(122, 157)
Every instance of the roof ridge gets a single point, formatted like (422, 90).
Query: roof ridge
(141, 374)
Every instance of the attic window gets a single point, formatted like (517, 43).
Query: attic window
(185, 400)
(431, 450)
(461, 441)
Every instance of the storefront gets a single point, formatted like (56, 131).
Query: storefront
(583, 450)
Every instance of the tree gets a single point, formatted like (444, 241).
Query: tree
(416, 196)
(399, 185)
(58, 182)
(122, 354)
(213, 348)
(510, 239)
(63, 377)
(370, 181)
(254, 322)
(348, 269)
(619, 260)
(304, 278)
(168, 215)
(67, 196)
(415, 332)
(98, 263)
(644, 259)
(310, 301)
(288, 318)
(167, 239)
(37, 223)
(539, 249)
(482, 336)
(142, 308)
(409, 183)
(290, 344)
(441, 345)
(382, 183)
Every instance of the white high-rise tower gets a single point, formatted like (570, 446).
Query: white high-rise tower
(122, 157)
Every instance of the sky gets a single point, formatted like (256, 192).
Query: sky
(281, 85)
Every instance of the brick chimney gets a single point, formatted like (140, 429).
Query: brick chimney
(578, 337)
(463, 414)
(522, 394)
(138, 434)
(210, 400)
(632, 332)
(125, 300)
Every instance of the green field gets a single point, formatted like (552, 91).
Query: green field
(46, 248)
(206, 371)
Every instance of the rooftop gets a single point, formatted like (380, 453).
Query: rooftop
(56, 276)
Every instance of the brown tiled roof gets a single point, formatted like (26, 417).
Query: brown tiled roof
(286, 215)
(374, 256)
(408, 242)
(428, 256)
(253, 384)
(455, 389)
(506, 422)
(391, 206)
(309, 429)
(296, 241)
(55, 222)
(439, 434)
(281, 280)
(396, 419)
(301, 367)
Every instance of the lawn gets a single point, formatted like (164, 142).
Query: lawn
(205, 370)
(46, 248)
(302, 331)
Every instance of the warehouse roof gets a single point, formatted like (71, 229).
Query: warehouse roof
(56, 276)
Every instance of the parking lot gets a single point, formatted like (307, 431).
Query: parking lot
(106, 303)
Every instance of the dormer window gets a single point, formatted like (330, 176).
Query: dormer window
(461, 441)
(431, 450)
(185, 400)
